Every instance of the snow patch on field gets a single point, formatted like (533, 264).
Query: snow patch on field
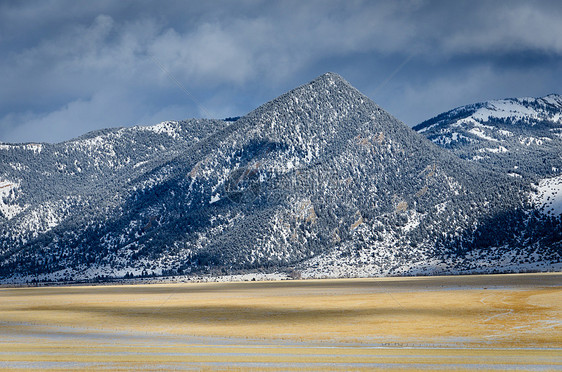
(548, 198)
(116, 276)
(487, 261)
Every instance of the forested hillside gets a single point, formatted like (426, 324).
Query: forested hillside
(320, 180)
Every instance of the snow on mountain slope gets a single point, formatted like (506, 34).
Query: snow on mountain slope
(7, 208)
(529, 110)
(548, 197)
(519, 136)
(318, 178)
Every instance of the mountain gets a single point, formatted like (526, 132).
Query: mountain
(519, 136)
(320, 180)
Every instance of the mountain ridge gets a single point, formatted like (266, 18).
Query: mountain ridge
(317, 179)
(518, 136)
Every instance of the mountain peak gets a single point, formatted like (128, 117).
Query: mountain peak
(512, 135)
(321, 109)
(328, 82)
(526, 111)
(553, 99)
(332, 81)
(331, 77)
(317, 179)
(327, 93)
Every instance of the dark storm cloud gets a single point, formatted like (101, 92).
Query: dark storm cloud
(73, 66)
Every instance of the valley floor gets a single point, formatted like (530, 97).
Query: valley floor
(486, 322)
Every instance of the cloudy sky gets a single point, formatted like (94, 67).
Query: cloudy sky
(68, 67)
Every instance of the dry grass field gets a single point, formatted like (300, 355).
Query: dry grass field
(487, 322)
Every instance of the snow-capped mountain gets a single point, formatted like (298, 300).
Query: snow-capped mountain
(321, 180)
(520, 136)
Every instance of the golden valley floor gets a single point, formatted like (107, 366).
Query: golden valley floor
(461, 322)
